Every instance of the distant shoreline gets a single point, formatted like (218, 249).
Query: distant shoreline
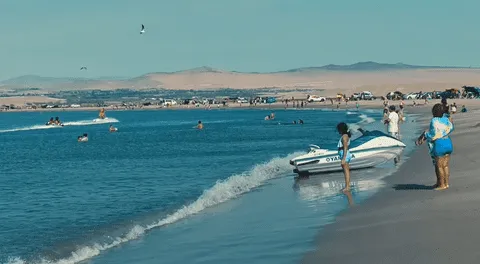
(374, 104)
(273, 106)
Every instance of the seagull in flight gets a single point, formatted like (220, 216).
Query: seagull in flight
(143, 29)
(83, 68)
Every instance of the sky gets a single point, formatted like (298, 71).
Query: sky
(55, 38)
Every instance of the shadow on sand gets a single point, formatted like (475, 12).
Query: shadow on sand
(406, 187)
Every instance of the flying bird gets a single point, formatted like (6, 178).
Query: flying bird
(83, 68)
(143, 29)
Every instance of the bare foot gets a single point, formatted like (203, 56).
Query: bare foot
(345, 190)
(441, 188)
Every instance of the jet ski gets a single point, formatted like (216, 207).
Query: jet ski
(61, 124)
(369, 150)
(101, 120)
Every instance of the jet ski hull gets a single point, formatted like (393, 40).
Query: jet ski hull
(369, 151)
(360, 160)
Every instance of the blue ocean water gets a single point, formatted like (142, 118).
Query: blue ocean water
(159, 190)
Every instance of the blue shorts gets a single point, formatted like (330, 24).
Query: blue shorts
(440, 148)
(348, 158)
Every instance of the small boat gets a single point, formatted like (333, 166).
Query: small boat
(369, 150)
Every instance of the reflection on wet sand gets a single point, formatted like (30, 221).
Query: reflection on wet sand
(322, 188)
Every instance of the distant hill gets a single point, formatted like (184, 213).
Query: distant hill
(369, 66)
(205, 77)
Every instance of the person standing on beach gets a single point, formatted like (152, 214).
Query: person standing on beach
(392, 122)
(401, 114)
(439, 144)
(446, 109)
(344, 153)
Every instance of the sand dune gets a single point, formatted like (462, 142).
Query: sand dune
(346, 81)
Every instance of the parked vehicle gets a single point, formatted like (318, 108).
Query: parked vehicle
(316, 98)
(397, 95)
(242, 100)
(471, 92)
(366, 95)
(410, 96)
(450, 94)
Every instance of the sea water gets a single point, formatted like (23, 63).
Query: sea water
(161, 191)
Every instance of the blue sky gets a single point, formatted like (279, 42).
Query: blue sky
(56, 37)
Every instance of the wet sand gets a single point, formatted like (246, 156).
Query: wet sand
(407, 221)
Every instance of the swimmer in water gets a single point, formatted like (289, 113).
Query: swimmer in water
(51, 122)
(83, 138)
(112, 129)
(200, 125)
(300, 121)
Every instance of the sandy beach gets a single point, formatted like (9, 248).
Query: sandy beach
(408, 222)
(374, 104)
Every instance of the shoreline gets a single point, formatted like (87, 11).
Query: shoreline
(406, 221)
(375, 104)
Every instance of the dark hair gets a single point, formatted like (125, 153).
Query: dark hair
(392, 108)
(199, 122)
(342, 127)
(444, 100)
(438, 110)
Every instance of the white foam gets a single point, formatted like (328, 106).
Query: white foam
(365, 119)
(73, 123)
(96, 121)
(221, 191)
(36, 127)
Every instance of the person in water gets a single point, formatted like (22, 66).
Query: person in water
(83, 138)
(300, 121)
(51, 122)
(101, 115)
(112, 129)
(344, 153)
(199, 125)
(57, 121)
(439, 144)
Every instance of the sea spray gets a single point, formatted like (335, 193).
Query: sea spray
(221, 191)
(73, 123)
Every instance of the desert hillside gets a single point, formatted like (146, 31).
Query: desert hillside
(375, 77)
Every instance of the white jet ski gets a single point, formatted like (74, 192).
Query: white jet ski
(369, 150)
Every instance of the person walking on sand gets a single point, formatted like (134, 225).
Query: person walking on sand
(439, 144)
(344, 153)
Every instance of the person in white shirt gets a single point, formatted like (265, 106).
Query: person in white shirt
(392, 120)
